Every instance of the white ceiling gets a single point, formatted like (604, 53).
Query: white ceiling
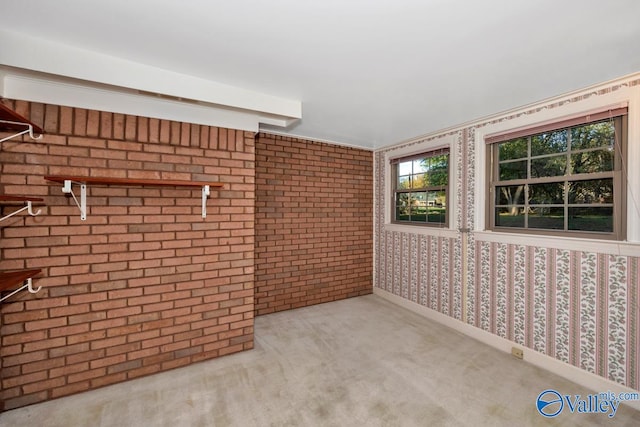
(368, 73)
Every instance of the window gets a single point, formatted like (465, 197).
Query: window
(560, 179)
(421, 187)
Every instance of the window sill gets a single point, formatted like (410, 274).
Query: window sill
(425, 230)
(611, 247)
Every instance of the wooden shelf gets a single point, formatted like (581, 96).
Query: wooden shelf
(10, 279)
(12, 121)
(68, 181)
(5, 198)
(130, 181)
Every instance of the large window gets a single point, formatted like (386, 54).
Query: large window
(421, 186)
(560, 179)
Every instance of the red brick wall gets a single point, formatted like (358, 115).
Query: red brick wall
(314, 223)
(144, 284)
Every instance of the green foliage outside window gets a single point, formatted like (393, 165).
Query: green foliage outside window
(558, 180)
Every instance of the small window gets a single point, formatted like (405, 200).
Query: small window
(421, 188)
(561, 180)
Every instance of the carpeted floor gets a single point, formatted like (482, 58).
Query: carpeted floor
(357, 362)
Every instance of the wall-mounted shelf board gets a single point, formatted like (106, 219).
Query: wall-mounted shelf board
(131, 181)
(28, 207)
(10, 279)
(83, 181)
(10, 121)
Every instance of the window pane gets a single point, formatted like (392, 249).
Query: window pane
(592, 191)
(514, 149)
(546, 194)
(419, 206)
(510, 195)
(549, 143)
(404, 182)
(510, 217)
(592, 161)
(420, 181)
(548, 166)
(513, 170)
(436, 206)
(550, 218)
(591, 219)
(405, 168)
(402, 206)
(593, 135)
(420, 165)
(439, 170)
(441, 161)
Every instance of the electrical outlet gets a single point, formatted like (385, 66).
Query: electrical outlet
(517, 352)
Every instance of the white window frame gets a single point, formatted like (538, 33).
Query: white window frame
(629, 245)
(446, 141)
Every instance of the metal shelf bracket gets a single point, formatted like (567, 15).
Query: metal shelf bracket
(28, 285)
(28, 130)
(205, 194)
(82, 204)
(28, 208)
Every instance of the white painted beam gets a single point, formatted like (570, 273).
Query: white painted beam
(30, 53)
(38, 88)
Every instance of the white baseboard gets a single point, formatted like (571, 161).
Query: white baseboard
(579, 376)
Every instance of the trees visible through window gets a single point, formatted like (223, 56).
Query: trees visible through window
(421, 188)
(564, 180)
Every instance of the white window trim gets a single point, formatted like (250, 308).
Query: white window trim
(446, 141)
(629, 246)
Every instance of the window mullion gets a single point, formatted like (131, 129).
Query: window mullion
(566, 205)
(591, 176)
(526, 185)
(493, 175)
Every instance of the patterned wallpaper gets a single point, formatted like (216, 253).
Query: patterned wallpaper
(578, 307)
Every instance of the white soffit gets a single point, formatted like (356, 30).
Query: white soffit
(39, 70)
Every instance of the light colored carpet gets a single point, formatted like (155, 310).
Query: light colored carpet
(357, 362)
